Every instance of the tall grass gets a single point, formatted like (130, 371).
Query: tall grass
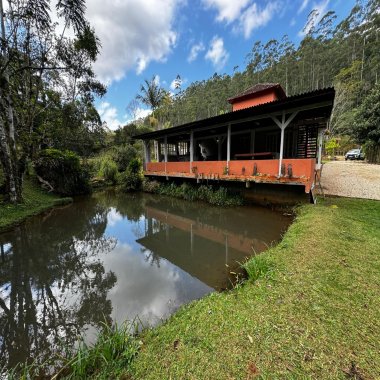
(218, 197)
(112, 353)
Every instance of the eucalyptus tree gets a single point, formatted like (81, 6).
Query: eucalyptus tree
(35, 58)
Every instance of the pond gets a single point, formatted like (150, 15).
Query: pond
(113, 257)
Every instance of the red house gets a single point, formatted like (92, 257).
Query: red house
(268, 138)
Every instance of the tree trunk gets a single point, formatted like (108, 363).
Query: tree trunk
(8, 154)
(9, 164)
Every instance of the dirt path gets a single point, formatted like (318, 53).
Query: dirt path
(354, 179)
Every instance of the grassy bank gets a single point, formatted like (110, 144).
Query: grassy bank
(35, 202)
(310, 310)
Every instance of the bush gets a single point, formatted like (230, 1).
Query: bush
(219, 197)
(108, 170)
(131, 179)
(63, 171)
(123, 155)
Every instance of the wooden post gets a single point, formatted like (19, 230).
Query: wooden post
(166, 148)
(282, 125)
(219, 148)
(166, 152)
(320, 144)
(157, 148)
(191, 149)
(228, 145)
(253, 136)
(146, 154)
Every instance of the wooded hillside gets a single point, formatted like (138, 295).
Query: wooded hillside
(345, 55)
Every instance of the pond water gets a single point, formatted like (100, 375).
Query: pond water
(116, 257)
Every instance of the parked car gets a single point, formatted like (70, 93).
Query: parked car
(354, 154)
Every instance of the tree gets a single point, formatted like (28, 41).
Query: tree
(366, 126)
(151, 94)
(33, 60)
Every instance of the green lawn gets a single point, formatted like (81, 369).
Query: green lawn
(35, 201)
(314, 311)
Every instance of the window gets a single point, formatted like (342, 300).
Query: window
(183, 148)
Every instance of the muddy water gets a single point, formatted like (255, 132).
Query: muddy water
(115, 257)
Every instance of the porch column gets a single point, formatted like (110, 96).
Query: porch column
(320, 144)
(191, 146)
(253, 136)
(146, 153)
(228, 145)
(166, 148)
(191, 150)
(219, 148)
(282, 125)
(166, 151)
(156, 148)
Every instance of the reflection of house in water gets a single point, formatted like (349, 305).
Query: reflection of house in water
(199, 248)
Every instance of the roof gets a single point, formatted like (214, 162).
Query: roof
(308, 99)
(258, 89)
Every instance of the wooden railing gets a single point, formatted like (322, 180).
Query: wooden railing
(295, 170)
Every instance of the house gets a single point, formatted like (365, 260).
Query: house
(268, 139)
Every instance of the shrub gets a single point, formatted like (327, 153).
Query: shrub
(219, 197)
(123, 155)
(131, 179)
(63, 171)
(108, 170)
(150, 186)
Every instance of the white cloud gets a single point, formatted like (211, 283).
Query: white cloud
(320, 9)
(293, 22)
(216, 53)
(255, 17)
(142, 113)
(157, 80)
(227, 10)
(246, 15)
(109, 115)
(194, 51)
(133, 33)
(303, 6)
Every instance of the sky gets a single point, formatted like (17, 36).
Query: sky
(142, 39)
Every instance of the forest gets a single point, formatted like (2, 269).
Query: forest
(49, 125)
(342, 55)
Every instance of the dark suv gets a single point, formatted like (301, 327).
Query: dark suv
(354, 154)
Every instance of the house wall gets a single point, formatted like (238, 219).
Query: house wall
(263, 98)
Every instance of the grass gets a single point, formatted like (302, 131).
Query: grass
(35, 202)
(220, 196)
(311, 309)
(114, 349)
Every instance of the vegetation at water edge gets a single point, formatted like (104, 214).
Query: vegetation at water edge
(218, 196)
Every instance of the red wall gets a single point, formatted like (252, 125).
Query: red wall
(255, 101)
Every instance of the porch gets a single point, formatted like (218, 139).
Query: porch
(272, 143)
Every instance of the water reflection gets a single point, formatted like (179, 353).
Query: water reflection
(116, 257)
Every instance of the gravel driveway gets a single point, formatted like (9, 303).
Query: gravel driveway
(354, 179)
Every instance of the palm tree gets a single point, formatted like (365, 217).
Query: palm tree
(151, 94)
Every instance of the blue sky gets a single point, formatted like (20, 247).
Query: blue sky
(192, 38)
